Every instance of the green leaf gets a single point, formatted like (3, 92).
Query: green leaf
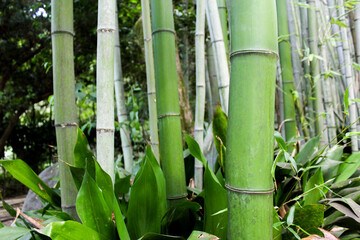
(313, 193)
(307, 151)
(331, 163)
(120, 224)
(147, 203)
(1, 225)
(280, 141)
(346, 101)
(290, 216)
(290, 159)
(122, 184)
(349, 167)
(219, 128)
(338, 22)
(156, 236)
(13, 233)
(310, 218)
(195, 235)
(215, 199)
(92, 208)
(78, 175)
(24, 174)
(71, 230)
(277, 229)
(273, 168)
(305, 5)
(82, 151)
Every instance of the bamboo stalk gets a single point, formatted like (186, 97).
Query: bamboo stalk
(200, 86)
(223, 20)
(105, 86)
(120, 103)
(215, 100)
(249, 149)
(150, 78)
(62, 34)
(208, 94)
(167, 100)
(221, 63)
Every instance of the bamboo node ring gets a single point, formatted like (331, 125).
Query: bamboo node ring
(249, 191)
(151, 93)
(68, 206)
(238, 52)
(63, 31)
(176, 197)
(62, 125)
(108, 130)
(105, 30)
(199, 34)
(164, 30)
(217, 40)
(123, 114)
(223, 86)
(168, 115)
(222, 7)
(199, 129)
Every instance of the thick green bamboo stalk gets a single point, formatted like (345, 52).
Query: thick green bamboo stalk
(221, 63)
(122, 114)
(315, 70)
(286, 71)
(223, 20)
(105, 86)
(167, 100)
(349, 77)
(249, 151)
(62, 34)
(200, 86)
(150, 78)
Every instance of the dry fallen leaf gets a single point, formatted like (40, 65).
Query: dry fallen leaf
(327, 236)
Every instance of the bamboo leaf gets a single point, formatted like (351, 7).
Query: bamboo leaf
(12, 233)
(71, 230)
(356, 66)
(310, 218)
(313, 193)
(147, 203)
(219, 128)
(280, 141)
(92, 208)
(24, 174)
(308, 150)
(120, 224)
(277, 229)
(290, 216)
(349, 167)
(156, 236)
(346, 101)
(195, 235)
(290, 159)
(338, 22)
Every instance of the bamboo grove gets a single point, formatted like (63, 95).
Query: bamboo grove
(275, 98)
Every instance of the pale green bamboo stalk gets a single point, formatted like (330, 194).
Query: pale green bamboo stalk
(221, 63)
(200, 86)
(105, 86)
(167, 100)
(185, 62)
(349, 77)
(315, 70)
(249, 150)
(150, 78)
(286, 71)
(223, 20)
(208, 94)
(357, 31)
(62, 34)
(122, 114)
(215, 100)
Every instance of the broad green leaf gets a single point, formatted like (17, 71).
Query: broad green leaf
(13, 233)
(195, 235)
(92, 208)
(290, 216)
(219, 128)
(24, 174)
(1, 225)
(346, 101)
(78, 175)
(147, 203)
(82, 151)
(215, 199)
(104, 182)
(349, 167)
(307, 151)
(310, 218)
(280, 141)
(314, 194)
(120, 224)
(331, 163)
(71, 230)
(122, 184)
(156, 236)
(290, 159)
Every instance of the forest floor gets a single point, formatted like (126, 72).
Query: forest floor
(15, 202)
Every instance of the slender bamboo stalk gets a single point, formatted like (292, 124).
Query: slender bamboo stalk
(357, 31)
(150, 78)
(286, 71)
(222, 68)
(315, 70)
(105, 86)
(349, 77)
(186, 65)
(200, 86)
(208, 94)
(215, 100)
(120, 103)
(62, 34)
(251, 119)
(167, 100)
(223, 20)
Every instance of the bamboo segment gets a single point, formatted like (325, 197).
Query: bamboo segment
(221, 63)
(315, 70)
(286, 72)
(215, 100)
(167, 100)
(120, 103)
(249, 150)
(200, 86)
(105, 86)
(223, 20)
(150, 78)
(349, 78)
(62, 34)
